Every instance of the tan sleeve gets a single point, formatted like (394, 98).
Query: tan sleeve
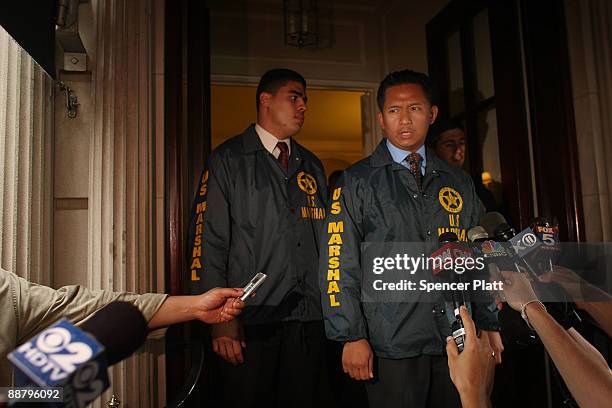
(39, 306)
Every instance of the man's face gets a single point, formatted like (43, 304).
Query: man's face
(451, 147)
(285, 109)
(406, 116)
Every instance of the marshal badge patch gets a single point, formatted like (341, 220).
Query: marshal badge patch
(450, 199)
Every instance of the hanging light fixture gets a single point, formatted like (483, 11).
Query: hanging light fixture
(301, 23)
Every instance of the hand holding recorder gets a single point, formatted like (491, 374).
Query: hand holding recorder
(228, 336)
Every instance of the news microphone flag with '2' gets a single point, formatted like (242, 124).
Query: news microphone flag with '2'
(77, 358)
(63, 356)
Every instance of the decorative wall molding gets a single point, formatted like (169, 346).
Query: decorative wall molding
(261, 19)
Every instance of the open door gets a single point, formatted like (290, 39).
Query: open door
(486, 93)
(502, 69)
(187, 143)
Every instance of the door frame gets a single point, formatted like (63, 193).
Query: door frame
(372, 133)
(527, 38)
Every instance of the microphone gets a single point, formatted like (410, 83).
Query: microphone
(562, 307)
(448, 241)
(120, 327)
(487, 247)
(477, 234)
(447, 237)
(449, 250)
(522, 243)
(496, 226)
(76, 359)
(549, 252)
(515, 333)
(526, 246)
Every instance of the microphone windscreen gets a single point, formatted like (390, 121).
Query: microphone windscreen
(491, 221)
(477, 233)
(448, 237)
(120, 327)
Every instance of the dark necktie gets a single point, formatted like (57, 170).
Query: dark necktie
(414, 161)
(283, 157)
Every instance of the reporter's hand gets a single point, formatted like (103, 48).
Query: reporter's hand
(488, 361)
(228, 341)
(496, 344)
(466, 368)
(571, 282)
(218, 305)
(560, 274)
(517, 289)
(358, 360)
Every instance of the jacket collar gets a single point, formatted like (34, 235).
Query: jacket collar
(250, 140)
(252, 143)
(382, 157)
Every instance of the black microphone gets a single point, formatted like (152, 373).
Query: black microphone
(447, 237)
(120, 327)
(521, 244)
(515, 333)
(451, 246)
(457, 327)
(75, 359)
(496, 226)
(477, 234)
(527, 256)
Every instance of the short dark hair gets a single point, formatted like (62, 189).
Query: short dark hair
(274, 79)
(439, 127)
(406, 76)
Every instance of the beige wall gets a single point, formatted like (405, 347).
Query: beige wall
(247, 39)
(369, 38)
(361, 41)
(109, 179)
(71, 182)
(404, 39)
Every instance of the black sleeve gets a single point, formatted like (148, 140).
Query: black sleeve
(340, 266)
(209, 229)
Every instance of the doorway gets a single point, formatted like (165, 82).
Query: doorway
(333, 129)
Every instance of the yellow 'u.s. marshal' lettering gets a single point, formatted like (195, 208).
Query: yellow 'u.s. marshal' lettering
(334, 250)
(196, 253)
(460, 232)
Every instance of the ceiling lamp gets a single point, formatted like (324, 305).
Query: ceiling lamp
(300, 22)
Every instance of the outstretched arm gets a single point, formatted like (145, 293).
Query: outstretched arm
(583, 368)
(218, 305)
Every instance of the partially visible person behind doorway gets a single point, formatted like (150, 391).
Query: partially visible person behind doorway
(447, 138)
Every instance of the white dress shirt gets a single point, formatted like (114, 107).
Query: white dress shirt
(269, 141)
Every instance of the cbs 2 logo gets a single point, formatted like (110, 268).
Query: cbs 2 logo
(55, 341)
